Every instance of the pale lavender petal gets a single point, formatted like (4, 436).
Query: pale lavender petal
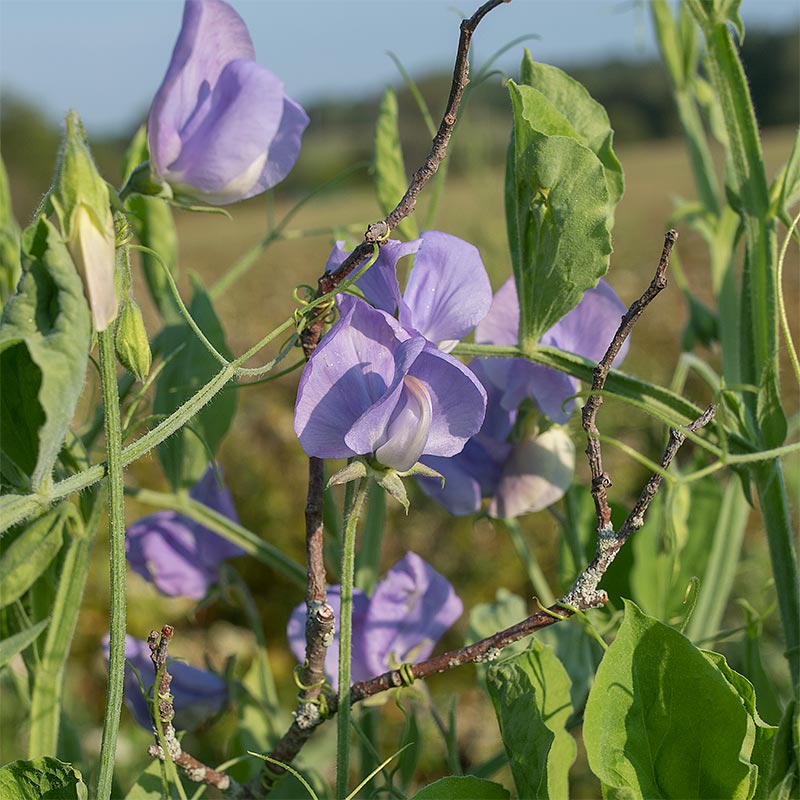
(197, 694)
(285, 147)
(178, 555)
(407, 431)
(448, 291)
(212, 35)
(224, 148)
(589, 328)
(501, 324)
(536, 475)
(409, 612)
(352, 368)
(296, 634)
(458, 399)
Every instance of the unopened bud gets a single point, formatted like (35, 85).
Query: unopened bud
(132, 345)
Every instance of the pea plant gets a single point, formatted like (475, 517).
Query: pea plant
(419, 385)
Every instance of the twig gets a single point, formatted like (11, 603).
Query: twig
(193, 769)
(601, 480)
(378, 232)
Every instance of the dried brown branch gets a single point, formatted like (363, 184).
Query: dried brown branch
(193, 769)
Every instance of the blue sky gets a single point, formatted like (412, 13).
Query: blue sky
(107, 57)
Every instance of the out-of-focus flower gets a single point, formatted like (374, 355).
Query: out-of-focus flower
(409, 611)
(178, 555)
(375, 389)
(509, 462)
(197, 694)
(447, 292)
(587, 331)
(221, 128)
(518, 476)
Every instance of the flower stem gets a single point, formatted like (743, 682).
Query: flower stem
(116, 530)
(346, 635)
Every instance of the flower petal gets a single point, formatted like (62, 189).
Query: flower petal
(409, 612)
(536, 476)
(407, 430)
(212, 35)
(448, 291)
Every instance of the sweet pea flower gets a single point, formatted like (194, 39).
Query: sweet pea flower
(375, 389)
(407, 614)
(587, 330)
(447, 292)
(221, 128)
(179, 556)
(197, 694)
(518, 477)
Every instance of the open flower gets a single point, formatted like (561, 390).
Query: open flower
(587, 331)
(375, 389)
(517, 476)
(409, 611)
(197, 694)
(179, 556)
(221, 128)
(447, 293)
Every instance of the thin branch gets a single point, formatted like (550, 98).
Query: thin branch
(601, 480)
(193, 769)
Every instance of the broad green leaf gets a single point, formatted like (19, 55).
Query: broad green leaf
(9, 240)
(150, 784)
(390, 172)
(29, 554)
(486, 619)
(558, 213)
(762, 734)
(44, 347)
(661, 721)
(16, 643)
(185, 455)
(153, 223)
(462, 787)
(41, 779)
(586, 119)
(771, 419)
(530, 692)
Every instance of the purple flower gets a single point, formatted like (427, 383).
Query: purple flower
(447, 292)
(518, 477)
(197, 694)
(175, 553)
(409, 611)
(587, 331)
(221, 128)
(375, 389)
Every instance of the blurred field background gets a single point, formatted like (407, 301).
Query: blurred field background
(263, 463)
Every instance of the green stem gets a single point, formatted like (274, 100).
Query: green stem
(346, 636)
(535, 574)
(369, 553)
(116, 529)
(48, 683)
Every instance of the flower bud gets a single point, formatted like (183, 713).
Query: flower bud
(81, 202)
(133, 347)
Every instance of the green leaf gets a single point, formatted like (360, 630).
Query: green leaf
(150, 784)
(785, 189)
(661, 721)
(390, 172)
(44, 347)
(29, 554)
(154, 225)
(185, 455)
(9, 240)
(462, 787)
(41, 779)
(558, 212)
(762, 735)
(586, 119)
(530, 692)
(16, 643)
(784, 777)
(769, 412)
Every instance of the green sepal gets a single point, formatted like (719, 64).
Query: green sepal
(131, 342)
(354, 471)
(423, 470)
(392, 483)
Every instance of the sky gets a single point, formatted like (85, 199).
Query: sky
(106, 58)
